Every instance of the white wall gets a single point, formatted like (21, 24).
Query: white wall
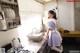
(30, 5)
(65, 13)
(77, 16)
(7, 36)
(50, 5)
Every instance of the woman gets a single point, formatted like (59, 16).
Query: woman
(53, 36)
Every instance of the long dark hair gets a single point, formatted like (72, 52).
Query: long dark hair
(54, 13)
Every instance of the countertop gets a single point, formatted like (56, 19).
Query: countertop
(33, 46)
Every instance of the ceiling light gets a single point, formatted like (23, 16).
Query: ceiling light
(47, 0)
(43, 1)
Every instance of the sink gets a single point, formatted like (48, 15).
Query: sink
(36, 37)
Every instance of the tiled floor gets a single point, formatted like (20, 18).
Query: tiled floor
(71, 44)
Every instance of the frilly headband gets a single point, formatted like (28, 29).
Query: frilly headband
(54, 10)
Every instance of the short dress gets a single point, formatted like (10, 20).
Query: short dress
(55, 38)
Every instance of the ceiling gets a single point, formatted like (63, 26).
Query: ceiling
(43, 1)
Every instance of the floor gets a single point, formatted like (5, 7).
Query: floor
(71, 45)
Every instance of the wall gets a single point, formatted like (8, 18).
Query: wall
(7, 36)
(65, 13)
(30, 5)
(77, 16)
(50, 5)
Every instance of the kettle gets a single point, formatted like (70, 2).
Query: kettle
(16, 42)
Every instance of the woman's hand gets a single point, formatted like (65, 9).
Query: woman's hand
(45, 37)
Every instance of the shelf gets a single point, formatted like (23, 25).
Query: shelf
(8, 6)
(72, 36)
(8, 2)
(73, 33)
(70, 33)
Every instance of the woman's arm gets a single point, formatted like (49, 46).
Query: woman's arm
(48, 29)
(47, 34)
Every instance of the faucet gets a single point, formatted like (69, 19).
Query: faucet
(34, 29)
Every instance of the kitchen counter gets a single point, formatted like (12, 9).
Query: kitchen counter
(33, 46)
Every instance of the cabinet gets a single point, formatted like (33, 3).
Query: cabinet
(77, 16)
(9, 14)
(44, 48)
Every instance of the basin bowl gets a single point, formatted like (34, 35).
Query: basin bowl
(36, 37)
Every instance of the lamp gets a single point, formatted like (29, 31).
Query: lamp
(43, 1)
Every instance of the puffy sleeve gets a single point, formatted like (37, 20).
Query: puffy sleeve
(51, 25)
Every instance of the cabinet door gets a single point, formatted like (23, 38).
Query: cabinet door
(44, 48)
(77, 16)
